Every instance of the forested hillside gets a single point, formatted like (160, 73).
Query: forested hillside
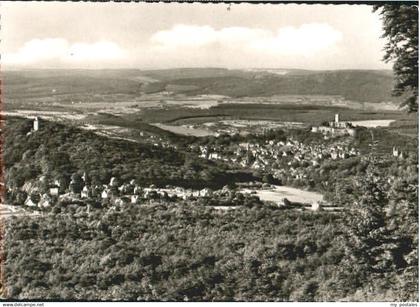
(58, 151)
(362, 86)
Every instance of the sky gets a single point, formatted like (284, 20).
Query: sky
(170, 35)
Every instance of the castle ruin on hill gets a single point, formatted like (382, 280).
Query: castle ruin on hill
(335, 128)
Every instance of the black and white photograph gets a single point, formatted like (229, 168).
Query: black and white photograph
(209, 152)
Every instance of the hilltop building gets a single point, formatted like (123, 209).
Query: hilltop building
(35, 126)
(335, 128)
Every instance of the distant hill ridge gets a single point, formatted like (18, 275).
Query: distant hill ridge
(357, 85)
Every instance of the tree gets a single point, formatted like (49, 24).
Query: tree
(268, 178)
(400, 26)
(403, 216)
(366, 221)
(76, 184)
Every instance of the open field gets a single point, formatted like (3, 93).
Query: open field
(7, 211)
(372, 123)
(278, 193)
(242, 127)
(287, 113)
(184, 130)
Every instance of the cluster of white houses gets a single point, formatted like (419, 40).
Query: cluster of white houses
(115, 193)
(130, 194)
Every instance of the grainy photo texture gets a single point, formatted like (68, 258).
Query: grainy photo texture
(209, 152)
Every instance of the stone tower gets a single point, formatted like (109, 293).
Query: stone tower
(36, 123)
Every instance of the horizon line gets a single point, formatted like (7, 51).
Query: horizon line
(192, 67)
